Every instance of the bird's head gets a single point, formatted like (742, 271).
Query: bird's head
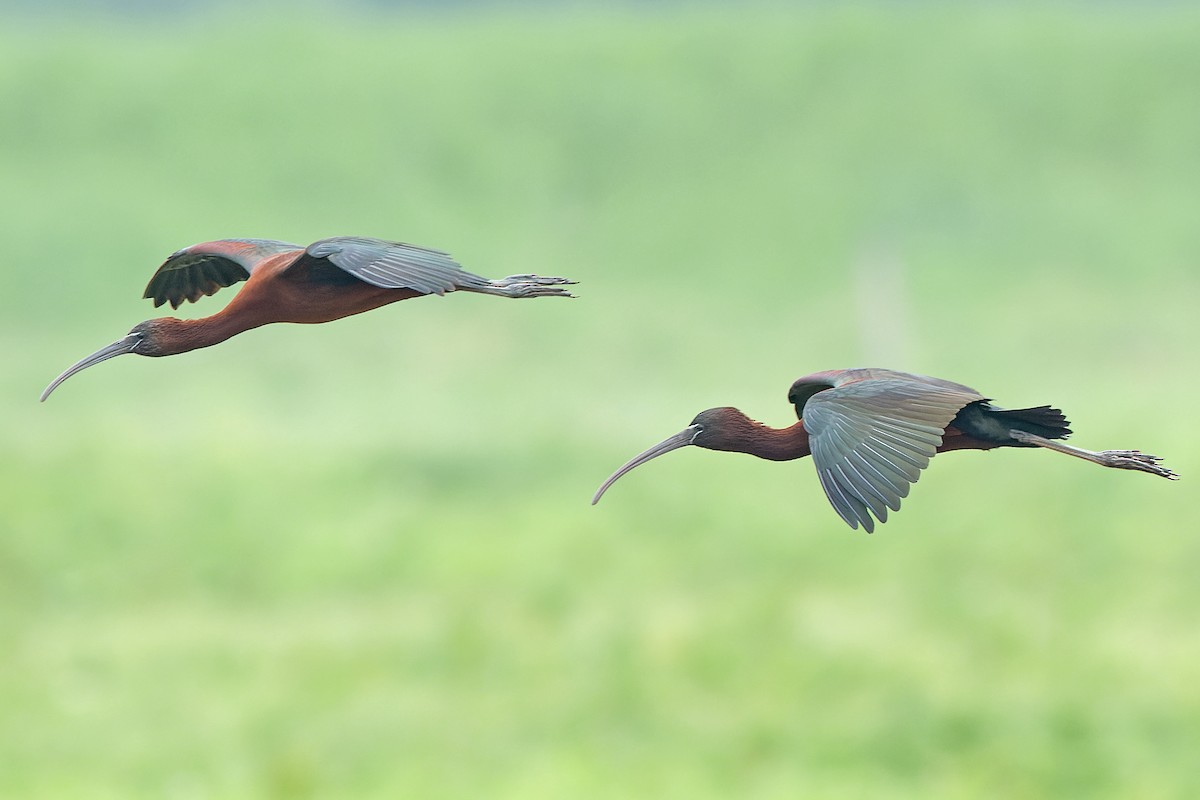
(146, 339)
(714, 429)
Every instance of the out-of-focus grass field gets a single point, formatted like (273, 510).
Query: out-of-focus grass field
(358, 560)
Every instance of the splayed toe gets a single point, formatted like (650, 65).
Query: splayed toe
(544, 280)
(1143, 462)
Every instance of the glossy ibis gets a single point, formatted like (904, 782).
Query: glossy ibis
(871, 432)
(327, 280)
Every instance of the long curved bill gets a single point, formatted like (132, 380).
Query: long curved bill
(681, 439)
(120, 348)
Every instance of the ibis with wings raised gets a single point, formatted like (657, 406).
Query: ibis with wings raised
(327, 280)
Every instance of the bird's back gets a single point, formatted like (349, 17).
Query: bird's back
(806, 387)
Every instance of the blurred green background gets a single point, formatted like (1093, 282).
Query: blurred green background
(358, 560)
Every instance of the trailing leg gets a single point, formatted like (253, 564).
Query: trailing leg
(1118, 459)
(523, 286)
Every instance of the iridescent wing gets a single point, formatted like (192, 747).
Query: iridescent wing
(204, 268)
(872, 436)
(394, 265)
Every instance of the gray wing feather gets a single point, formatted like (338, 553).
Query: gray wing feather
(847, 467)
(848, 507)
(395, 265)
(870, 440)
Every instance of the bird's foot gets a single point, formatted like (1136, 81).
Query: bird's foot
(1135, 459)
(545, 280)
(533, 286)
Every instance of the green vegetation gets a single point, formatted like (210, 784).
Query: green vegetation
(357, 560)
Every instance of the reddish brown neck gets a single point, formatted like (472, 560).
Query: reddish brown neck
(740, 434)
(170, 336)
(779, 444)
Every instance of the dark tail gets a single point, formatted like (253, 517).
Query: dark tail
(1044, 421)
(986, 422)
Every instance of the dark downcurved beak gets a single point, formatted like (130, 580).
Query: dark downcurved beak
(120, 348)
(681, 439)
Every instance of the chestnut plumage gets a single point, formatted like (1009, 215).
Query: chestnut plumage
(327, 280)
(870, 432)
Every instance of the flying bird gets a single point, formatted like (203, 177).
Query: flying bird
(327, 280)
(870, 432)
